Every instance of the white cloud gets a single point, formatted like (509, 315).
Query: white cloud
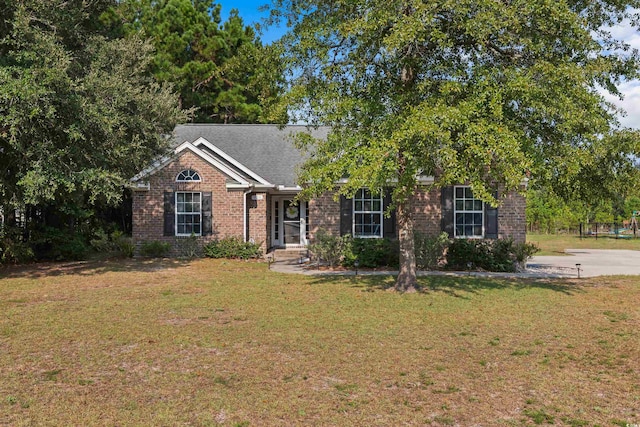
(630, 103)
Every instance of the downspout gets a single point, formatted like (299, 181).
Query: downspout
(245, 213)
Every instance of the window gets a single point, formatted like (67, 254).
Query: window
(188, 214)
(367, 214)
(468, 213)
(188, 175)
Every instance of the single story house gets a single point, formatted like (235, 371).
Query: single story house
(240, 180)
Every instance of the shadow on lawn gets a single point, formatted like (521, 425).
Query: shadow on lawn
(91, 267)
(459, 286)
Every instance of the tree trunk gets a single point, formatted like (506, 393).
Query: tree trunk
(407, 280)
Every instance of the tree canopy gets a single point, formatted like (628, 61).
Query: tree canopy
(482, 92)
(221, 69)
(79, 111)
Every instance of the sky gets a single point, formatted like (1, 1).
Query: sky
(249, 11)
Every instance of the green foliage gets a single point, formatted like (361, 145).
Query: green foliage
(188, 247)
(155, 249)
(501, 255)
(115, 242)
(125, 245)
(221, 70)
(80, 114)
(430, 250)
(370, 253)
(13, 248)
(327, 248)
(232, 247)
(57, 244)
(482, 92)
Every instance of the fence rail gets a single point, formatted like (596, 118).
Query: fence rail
(610, 230)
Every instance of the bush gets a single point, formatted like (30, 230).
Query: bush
(155, 249)
(232, 247)
(501, 255)
(123, 244)
(327, 248)
(58, 245)
(13, 250)
(116, 242)
(187, 247)
(371, 253)
(430, 250)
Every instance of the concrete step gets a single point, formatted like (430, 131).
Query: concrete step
(288, 255)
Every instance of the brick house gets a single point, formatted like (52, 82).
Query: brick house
(240, 180)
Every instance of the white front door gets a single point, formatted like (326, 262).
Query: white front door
(289, 222)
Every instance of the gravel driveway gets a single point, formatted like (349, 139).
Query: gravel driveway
(593, 262)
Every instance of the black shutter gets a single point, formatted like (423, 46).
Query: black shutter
(447, 210)
(491, 220)
(169, 214)
(346, 216)
(207, 221)
(389, 224)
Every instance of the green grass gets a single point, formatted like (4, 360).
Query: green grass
(209, 342)
(556, 244)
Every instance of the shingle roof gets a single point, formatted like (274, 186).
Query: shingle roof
(266, 150)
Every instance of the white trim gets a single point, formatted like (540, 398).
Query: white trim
(188, 180)
(353, 216)
(303, 223)
(162, 162)
(455, 211)
(422, 179)
(231, 160)
(285, 188)
(175, 213)
(245, 214)
(221, 166)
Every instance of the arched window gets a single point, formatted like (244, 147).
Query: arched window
(188, 175)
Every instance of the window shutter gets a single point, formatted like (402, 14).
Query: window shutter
(389, 224)
(346, 216)
(207, 220)
(491, 220)
(447, 210)
(169, 214)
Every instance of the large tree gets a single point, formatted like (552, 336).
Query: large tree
(200, 56)
(470, 91)
(80, 112)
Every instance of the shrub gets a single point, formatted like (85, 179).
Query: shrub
(101, 242)
(187, 247)
(57, 244)
(327, 248)
(13, 250)
(123, 244)
(501, 255)
(232, 247)
(155, 249)
(371, 253)
(430, 250)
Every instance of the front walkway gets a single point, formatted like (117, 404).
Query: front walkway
(593, 262)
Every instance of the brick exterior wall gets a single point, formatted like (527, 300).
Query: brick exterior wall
(324, 211)
(428, 211)
(512, 221)
(325, 214)
(227, 206)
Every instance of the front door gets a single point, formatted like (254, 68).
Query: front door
(289, 223)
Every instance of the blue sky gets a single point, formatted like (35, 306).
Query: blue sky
(248, 10)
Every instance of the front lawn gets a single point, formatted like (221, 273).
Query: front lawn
(556, 244)
(211, 342)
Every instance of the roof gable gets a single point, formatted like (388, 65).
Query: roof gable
(264, 153)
